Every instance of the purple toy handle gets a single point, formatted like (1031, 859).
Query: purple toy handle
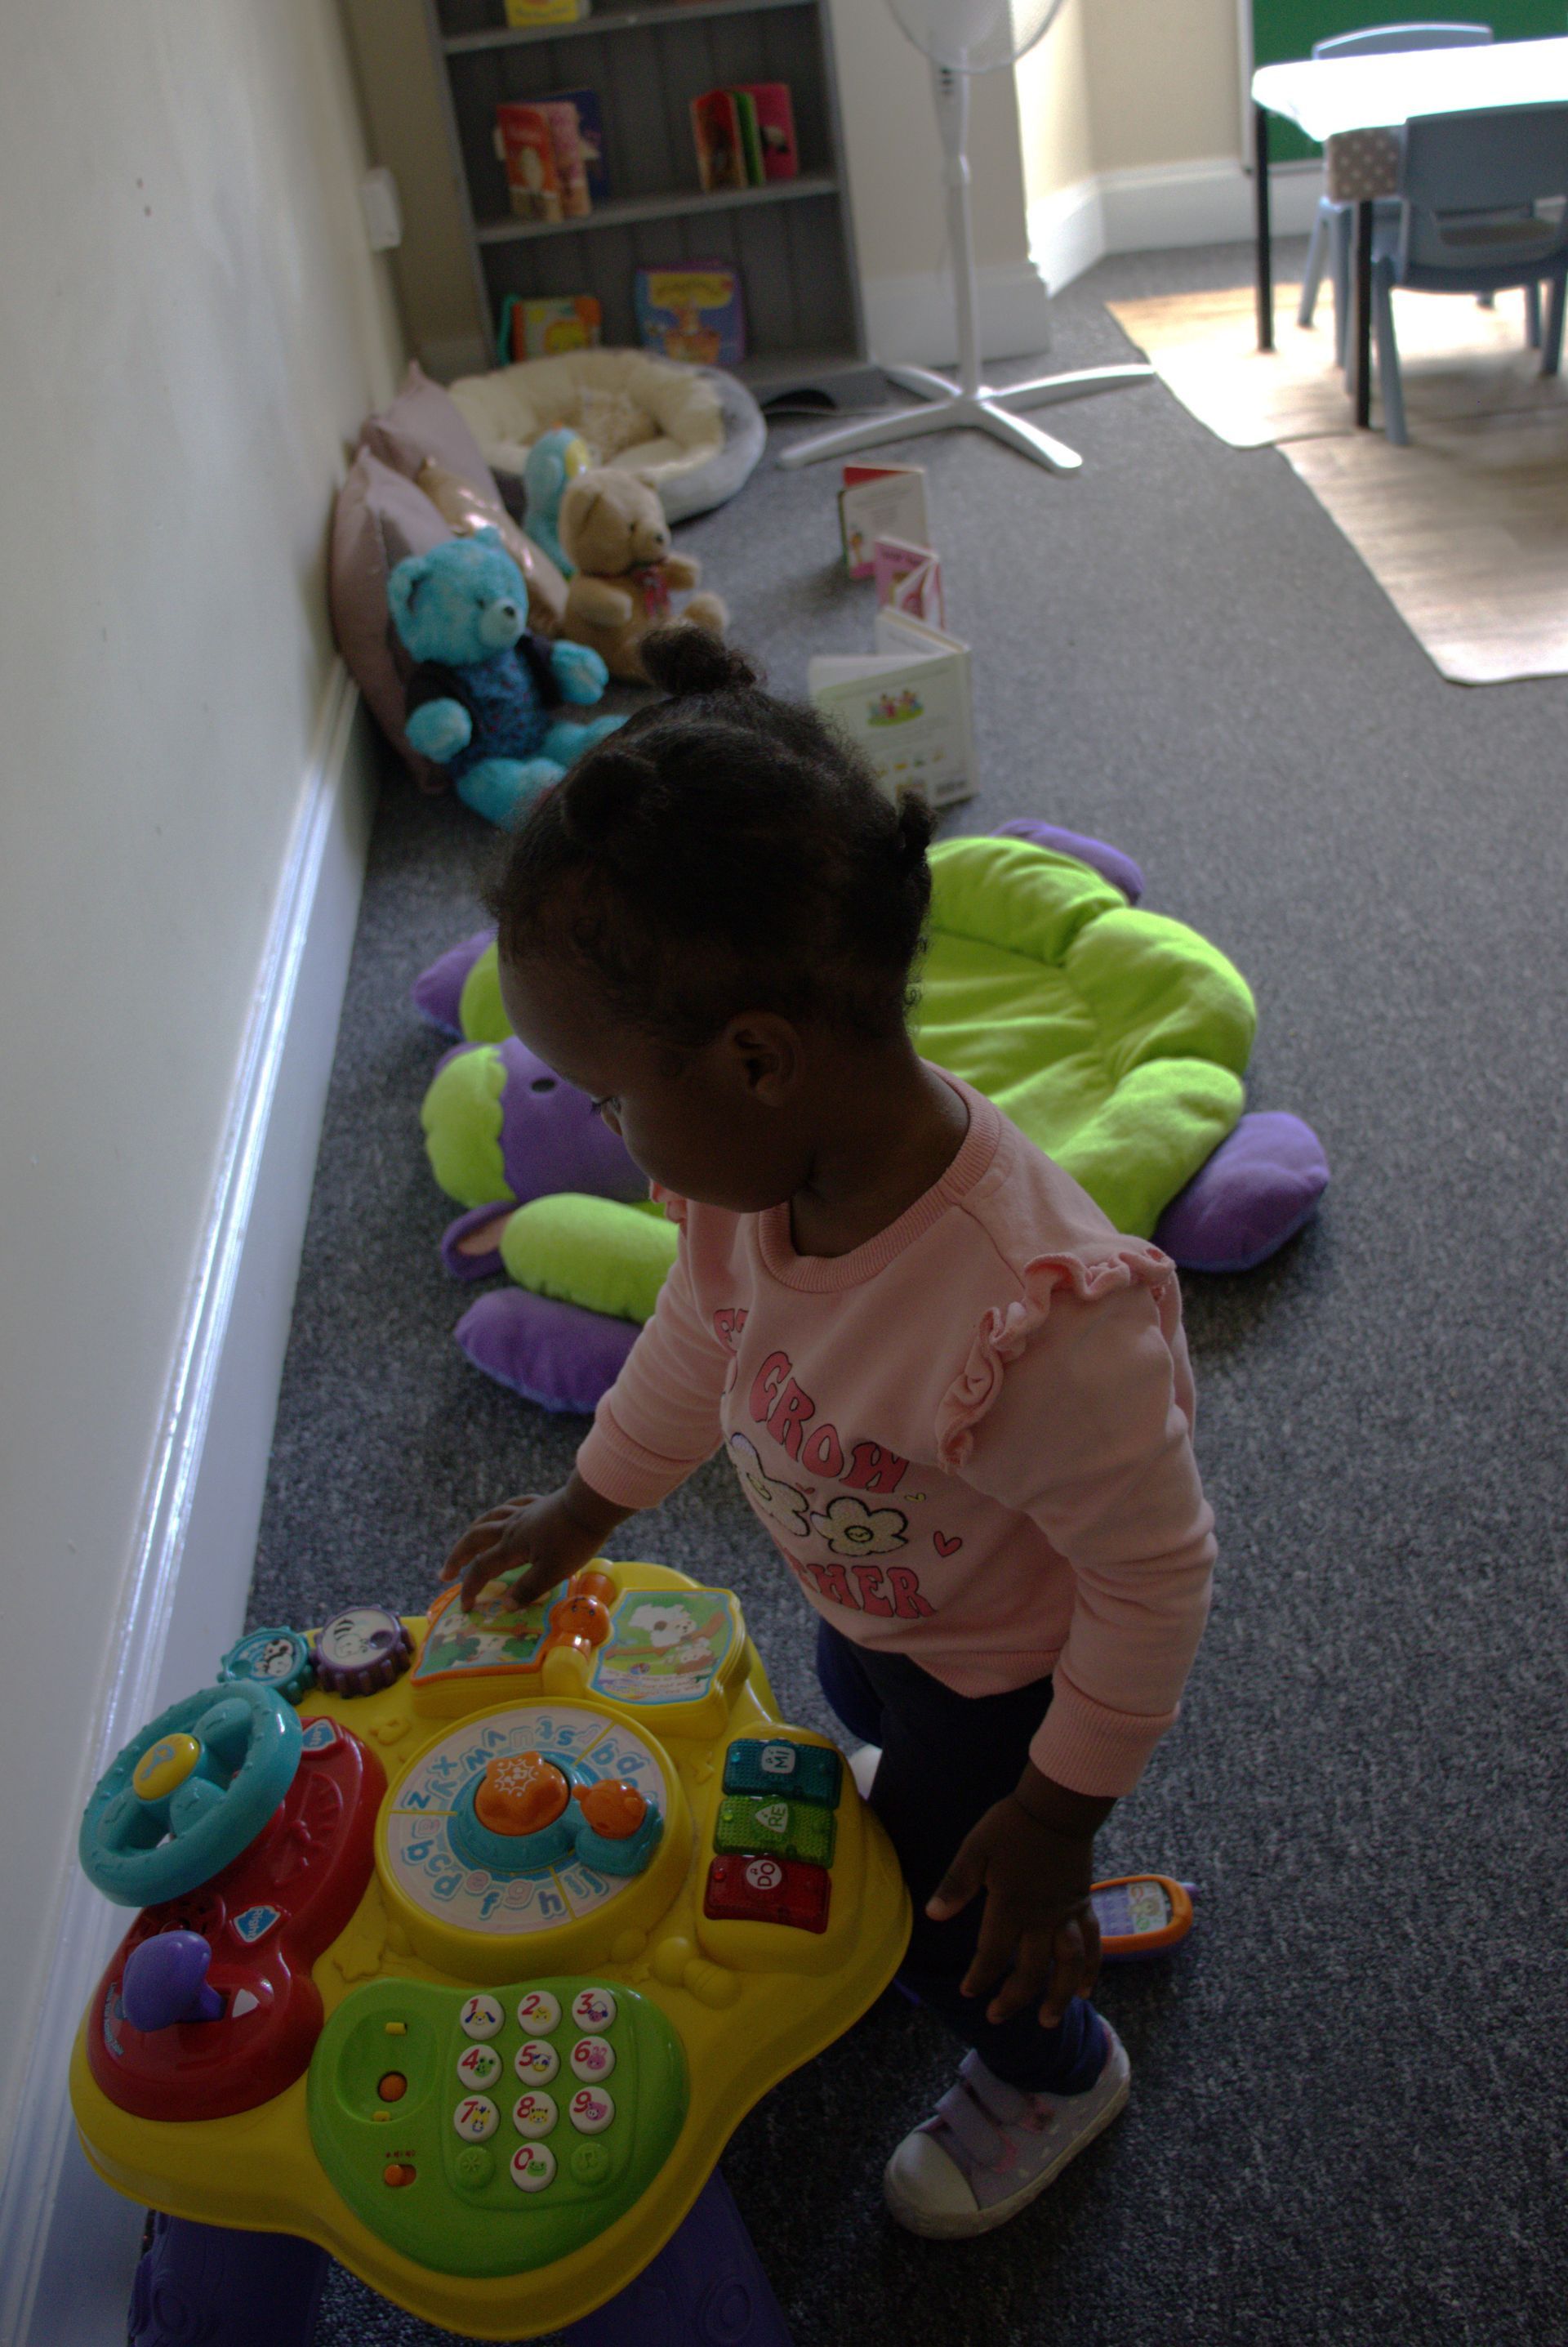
(165, 1981)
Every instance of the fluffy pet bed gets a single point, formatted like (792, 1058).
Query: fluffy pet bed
(694, 434)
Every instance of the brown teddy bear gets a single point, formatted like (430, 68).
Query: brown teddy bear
(612, 527)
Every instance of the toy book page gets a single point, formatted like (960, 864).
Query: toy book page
(665, 1645)
(909, 579)
(891, 506)
(907, 707)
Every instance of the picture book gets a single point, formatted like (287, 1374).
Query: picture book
(750, 137)
(590, 138)
(543, 327)
(909, 579)
(880, 501)
(906, 706)
(775, 128)
(693, 313)
(527, 147)
(716, 127)
(545, 12)
(565, 136)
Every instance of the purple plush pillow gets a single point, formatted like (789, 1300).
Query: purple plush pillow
(1110, 863)
(1258, 1190)
(424, 422)
(554, 1354)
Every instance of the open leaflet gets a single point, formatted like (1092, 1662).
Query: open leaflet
(906, 705)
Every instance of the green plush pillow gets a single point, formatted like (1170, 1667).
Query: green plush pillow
(596, 1252)
(479, 1011)
(462, 1121)
(1115, 1038)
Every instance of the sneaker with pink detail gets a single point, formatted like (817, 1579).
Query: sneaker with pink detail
(991, 2147)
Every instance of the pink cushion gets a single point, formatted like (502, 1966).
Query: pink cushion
(422, 422)
(379, 518)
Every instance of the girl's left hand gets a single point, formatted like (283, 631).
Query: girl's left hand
(1039, 1936)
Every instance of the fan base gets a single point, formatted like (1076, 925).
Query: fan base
(951, 409)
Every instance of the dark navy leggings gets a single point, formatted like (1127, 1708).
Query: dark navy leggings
(946, 1759)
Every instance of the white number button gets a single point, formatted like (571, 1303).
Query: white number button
(480, 2065)
(533, 2166)
(593, 2058)
(594, 2008)
(536, 2062)
(535, 2113)
(538, 2013)
(482, 2016)
(590, 2110)
(475, 2118)
(777, 1759)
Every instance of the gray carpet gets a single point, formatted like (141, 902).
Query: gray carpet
(1347, 2122)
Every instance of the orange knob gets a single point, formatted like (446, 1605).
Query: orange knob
(613, 1808)
(520, 1793)
(579, 1620)
(592, 1582)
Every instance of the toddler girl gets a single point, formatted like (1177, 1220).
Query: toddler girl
(959, 1401)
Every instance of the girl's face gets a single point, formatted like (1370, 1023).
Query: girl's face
(719, 1125)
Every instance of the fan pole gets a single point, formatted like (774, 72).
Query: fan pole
(951, 91)
(968, 402)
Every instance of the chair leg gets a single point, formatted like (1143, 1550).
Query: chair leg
(1342, 232)
(1532, 314)
(1552, 353)
(1389, 386)
(1312, 275)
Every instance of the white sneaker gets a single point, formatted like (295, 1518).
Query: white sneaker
(991, 2147)
(863, 1764)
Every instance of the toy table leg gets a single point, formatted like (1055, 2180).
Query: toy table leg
(205, 2283)
(705, 2289)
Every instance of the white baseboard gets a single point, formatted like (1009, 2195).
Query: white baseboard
(912, 319)
(1160, 207)
(67, 2243)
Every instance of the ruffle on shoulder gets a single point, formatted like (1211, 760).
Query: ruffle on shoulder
(1005, 1330)
(676, 1207)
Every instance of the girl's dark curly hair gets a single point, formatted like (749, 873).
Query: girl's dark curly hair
(723, 852)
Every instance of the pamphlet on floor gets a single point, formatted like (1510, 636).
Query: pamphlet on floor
(906, 705)
(880, 501)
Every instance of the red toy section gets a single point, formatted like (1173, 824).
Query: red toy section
(267, 1918)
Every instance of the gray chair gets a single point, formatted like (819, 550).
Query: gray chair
(1331, 224)
(1466, 223)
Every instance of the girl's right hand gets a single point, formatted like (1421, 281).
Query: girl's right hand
(555, 1535)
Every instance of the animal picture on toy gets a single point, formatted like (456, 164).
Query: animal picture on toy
(1115, 1038)
(664, 1652)
(484, 695)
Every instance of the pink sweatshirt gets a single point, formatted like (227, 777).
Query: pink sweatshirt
(970, 1438)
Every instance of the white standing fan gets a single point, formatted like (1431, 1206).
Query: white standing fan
(961, 38)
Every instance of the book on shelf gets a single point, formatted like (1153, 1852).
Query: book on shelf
(716, 129)
(566, 139)
(906, 706)
(909, 579)
(745, 134)
(527, 146)
(692, 312)
(880, 501)
(590, 138)
(522, 13)
(542, 327)
(775, 127)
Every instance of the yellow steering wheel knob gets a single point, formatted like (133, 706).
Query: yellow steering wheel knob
(164, 1767)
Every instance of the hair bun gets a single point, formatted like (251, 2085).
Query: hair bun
(684, 659)
(609, 788)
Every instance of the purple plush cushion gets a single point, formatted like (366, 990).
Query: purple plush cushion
(1259, 1187)
(1108, 862)
(437, 992)
(554, 1354)
(424, 422)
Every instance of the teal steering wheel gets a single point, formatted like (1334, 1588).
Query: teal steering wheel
(189, 1793)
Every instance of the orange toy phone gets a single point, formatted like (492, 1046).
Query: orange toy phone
(1141, 1915)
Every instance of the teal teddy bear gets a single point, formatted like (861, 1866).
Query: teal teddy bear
(482, 697)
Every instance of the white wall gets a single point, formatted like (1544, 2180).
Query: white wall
(192, 330)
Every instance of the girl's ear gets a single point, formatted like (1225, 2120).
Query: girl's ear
(764, 1056)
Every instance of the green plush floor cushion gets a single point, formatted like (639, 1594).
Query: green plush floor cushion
(1116, 1039)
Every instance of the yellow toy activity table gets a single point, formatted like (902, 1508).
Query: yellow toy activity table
(465, 1943)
